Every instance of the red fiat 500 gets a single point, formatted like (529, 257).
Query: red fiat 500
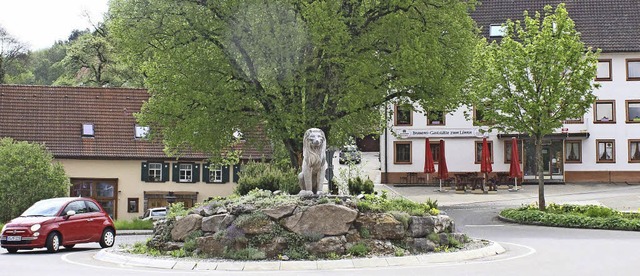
(56, 222)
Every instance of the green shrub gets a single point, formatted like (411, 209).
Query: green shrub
(265, 176)
(358, 249)
(382, 204)
(358, 185)
(176, 210)
(135, 224)
(248, 253)
(402, 217)
(574, 216)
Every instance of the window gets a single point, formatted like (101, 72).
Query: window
(77, 206)
(155, 172)
(435, 118)
(573, 152)
(132, 205)
(478, 117)
(507, 151)
(402, 152)
(633, 69)
(634, 151)
(87, 130)
(496, 30)
(604, 70)
(141, 131)
(479, 151)
(606, 151)
(186, 172)
(605, 112)
(633, 111)
(403, 115)
(435, 151)
(215, 173)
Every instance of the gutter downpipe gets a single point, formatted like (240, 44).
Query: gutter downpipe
(386, 143)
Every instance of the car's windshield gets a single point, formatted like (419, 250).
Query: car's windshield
(44, 208)
(159, 212)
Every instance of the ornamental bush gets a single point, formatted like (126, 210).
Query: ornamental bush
(265, 176)
(29, 174)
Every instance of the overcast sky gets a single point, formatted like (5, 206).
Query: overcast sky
(39, 23)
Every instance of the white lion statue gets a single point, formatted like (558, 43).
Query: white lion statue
(314, 161)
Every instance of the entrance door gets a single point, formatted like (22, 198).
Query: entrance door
(552, 161)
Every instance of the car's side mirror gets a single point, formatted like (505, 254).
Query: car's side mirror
(71, 213)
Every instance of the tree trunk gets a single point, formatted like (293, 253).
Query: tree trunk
(540, 166)
(294, 151)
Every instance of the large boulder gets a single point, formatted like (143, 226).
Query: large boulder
(420, 245)
(185, 226)
(274, 247)
(326, 245)
(280, 211)
(443, 223)
(211, 246)
(420, 227)
(217, 223)
(381, 226)
(325, 219)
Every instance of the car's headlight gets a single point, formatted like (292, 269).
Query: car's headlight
(35, 227)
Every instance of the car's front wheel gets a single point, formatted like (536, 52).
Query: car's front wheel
(108, 238)
(53, 242)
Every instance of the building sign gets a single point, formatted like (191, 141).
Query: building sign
(440, 133)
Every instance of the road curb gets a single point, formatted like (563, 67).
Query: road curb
(112, 255)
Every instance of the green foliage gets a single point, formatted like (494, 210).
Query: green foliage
(364, 233)
(539, 75)
(375, 203)
(176, 210)
(289, 65)
(142, 248)
(402, 217)
(253, 219)
(452, 242)
(574, 216)
(260, 199)
(265, 176)
(135, 224)
(434, 237)
(29, 174)
(358, 185)
(359, 250)
(399, 252)
(190, 242)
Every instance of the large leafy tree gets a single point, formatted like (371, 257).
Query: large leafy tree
(28, 174)
(537, 76)
(214, 67)
(11, 51)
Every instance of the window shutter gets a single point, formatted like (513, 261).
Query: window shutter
(196, 173)
(236, 170)
(144, 174)
(205, 173)
(165, 172)
(225, 174)
(176, 173)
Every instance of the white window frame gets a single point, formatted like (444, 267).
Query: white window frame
(88, 130)
(497, 30)
(141, 131)
(185, 172)
(215, 174)
(155, 172)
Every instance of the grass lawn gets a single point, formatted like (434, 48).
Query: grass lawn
(135, 224)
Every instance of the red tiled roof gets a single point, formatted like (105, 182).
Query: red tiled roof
(611, 25)
(55, 115)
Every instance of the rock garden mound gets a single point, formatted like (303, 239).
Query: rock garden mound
(262, 225)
